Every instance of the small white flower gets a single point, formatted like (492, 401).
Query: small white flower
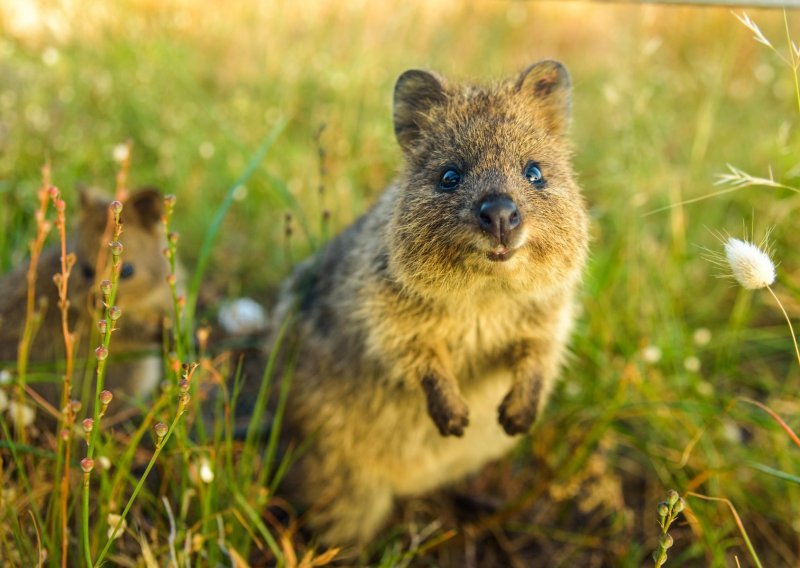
(206, 150)
(22, 415)
(113, 519)
(702, 336)
(751, 266)
(121, 153)
(104, 462)
(240, 193)
(651, 354)
(691, 364)
(50, 56)
(705, 388)
(242, 316)
(5, 377)
(206, 473)
(731, 431)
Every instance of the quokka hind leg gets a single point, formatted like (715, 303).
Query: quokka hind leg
(349, 512)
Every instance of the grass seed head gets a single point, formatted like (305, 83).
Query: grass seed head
(161, 429)
(101, 353)
(750, 265)
(116, 248)
(106, 396)
(679, 506)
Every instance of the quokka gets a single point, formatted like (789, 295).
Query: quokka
(134, 366)
(430, 332)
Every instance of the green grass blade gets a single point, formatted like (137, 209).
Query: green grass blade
(216, 223)
(775, 472)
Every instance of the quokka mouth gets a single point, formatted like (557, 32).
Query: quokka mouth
(500, 253)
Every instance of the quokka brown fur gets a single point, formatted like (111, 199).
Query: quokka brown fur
(134, 367)
(431, 332)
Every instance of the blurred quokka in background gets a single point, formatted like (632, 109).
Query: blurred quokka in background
(431, 332)
(135, 364)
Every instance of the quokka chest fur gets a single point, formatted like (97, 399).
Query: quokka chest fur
(431, 331)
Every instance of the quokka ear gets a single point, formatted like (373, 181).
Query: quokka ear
(415, 94)
(549, 88)
(145, 206)
(93, 207)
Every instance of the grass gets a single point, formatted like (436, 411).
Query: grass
(665, 98)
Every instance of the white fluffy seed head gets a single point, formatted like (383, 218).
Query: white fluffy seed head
(751, 266)
(206, 473)
(22, 415)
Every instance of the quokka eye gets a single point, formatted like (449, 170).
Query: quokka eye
(126, 271)
(87, 271)
(534, 175)
(450, 179)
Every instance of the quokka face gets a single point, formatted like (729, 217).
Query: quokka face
(143, 293)
(488, 193)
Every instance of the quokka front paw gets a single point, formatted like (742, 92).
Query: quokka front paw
(446, 407)
(517, 413)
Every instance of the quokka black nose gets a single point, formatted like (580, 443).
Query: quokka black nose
(498, 215)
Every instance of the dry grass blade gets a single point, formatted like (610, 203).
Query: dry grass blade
(147, 553)
(736, 518)
(777, 419)
(311, 560)
(40, 554)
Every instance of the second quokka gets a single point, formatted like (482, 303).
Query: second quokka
(143, 295)
(431, 332)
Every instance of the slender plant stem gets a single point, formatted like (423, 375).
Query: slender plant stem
(789, 321)
(738, 521)
(32, 318)
(142, 479)
(793, 58)
(68, 414)
(108, 299)
(775, 417)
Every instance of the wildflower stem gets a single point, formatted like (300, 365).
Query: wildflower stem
(139, 485)
(789, 321)
(32, 319)
(68, 417)
(102, 355)
(177, 301)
